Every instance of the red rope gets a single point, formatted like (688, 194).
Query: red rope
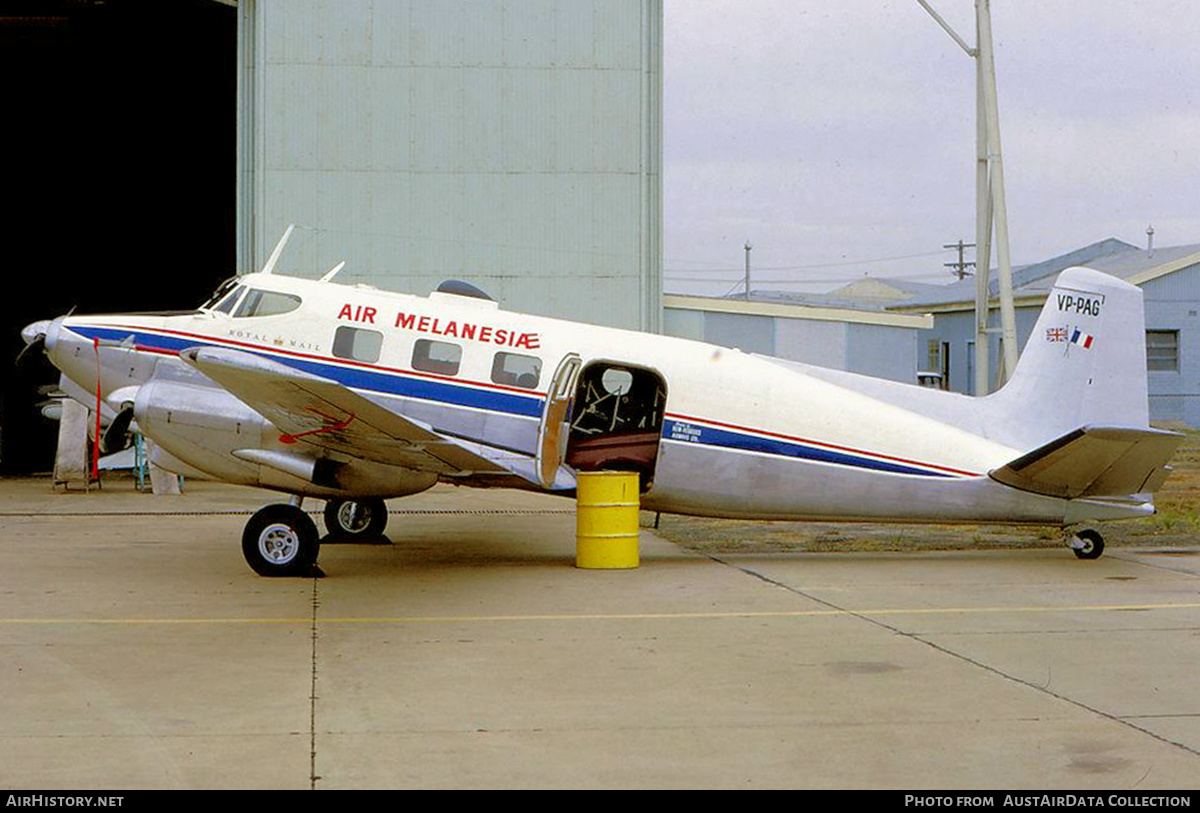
(96, 444)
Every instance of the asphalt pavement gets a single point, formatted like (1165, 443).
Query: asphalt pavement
(140, 651)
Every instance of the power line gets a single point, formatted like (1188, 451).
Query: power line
(840, 264)
(937, 275)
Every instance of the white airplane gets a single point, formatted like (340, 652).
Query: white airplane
(354, 395)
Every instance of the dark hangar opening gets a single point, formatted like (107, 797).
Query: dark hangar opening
(120, 173)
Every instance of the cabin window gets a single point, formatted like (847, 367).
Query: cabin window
(1162, 350)
(442, 358)
(515, 370)
(266, 303)
(357, 344)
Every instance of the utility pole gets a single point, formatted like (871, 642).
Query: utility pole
(748, 247)
(986, 66)
(960, 267)
(991, 208)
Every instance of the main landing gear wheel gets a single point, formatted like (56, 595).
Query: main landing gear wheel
(355, 520)
(281, 540)
(1087, 544)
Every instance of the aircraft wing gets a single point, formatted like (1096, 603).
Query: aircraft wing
(1094, 461)
(315, 410)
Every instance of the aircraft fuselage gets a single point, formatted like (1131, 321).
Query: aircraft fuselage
(713, 430)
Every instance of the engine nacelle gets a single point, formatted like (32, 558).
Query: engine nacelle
(200, 425)
(210, 430)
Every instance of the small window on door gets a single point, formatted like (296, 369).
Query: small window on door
(516, 370)
(442, 358)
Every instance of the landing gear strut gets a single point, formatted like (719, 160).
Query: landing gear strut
(355, 520)
(281, 540)
(1087, 544)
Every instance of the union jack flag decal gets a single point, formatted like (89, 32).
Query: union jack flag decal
(1056, 334)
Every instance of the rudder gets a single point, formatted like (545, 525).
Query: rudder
(1084, 363)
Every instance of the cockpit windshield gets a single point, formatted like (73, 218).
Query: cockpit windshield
(266, 303)
(222, 293)
(240, 302)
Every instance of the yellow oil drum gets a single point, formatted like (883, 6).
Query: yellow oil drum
(606, 520)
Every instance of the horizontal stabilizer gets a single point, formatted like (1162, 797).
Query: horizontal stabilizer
(1094, 461)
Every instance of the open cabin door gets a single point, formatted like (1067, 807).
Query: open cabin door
(551, 445)
(617, 419)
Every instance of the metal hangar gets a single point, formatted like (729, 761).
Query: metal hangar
(514, 144)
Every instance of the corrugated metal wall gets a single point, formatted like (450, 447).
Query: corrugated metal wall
(1172, 305)
(958, 328)
(512, 143)
(819, 342)
(884, 351)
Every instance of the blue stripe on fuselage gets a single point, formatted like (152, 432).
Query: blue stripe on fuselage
(397, 383)
(393, 383)
(689, 432)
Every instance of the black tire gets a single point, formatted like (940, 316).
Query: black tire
(355, 520)
(1093, 544)
(281, 540)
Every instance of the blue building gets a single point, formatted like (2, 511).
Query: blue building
(858, 336)
(1170, 281)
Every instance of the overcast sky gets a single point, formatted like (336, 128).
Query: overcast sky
(829, 133)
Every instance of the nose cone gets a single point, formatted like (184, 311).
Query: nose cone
(31, 333)
(41, 335)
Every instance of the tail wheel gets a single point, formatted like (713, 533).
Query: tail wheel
(1089, 544)
(355, 520)
(281, 540)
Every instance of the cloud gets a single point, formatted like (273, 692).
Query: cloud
(822, 131)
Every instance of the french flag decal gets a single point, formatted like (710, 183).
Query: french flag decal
(1082, 339)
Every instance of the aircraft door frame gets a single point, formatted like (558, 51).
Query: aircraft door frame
(617, 418)
(551, 442)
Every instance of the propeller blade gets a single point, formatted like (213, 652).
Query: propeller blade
(38, 343)
(114, 439)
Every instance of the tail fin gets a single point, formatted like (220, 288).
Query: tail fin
(1084, 363)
